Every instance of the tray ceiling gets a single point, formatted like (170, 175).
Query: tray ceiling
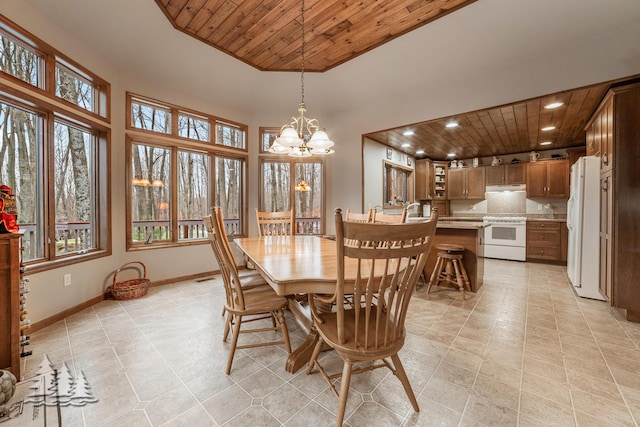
(267, 34)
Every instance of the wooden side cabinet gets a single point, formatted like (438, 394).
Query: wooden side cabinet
(546, 241)
(616, 120)
(548, 179)
(10, 303)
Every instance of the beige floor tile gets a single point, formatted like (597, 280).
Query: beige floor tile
(227, 404)
(546, 388)
(545, 411)
(524, 350)
(597, 406)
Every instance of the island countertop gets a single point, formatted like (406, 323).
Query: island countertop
(462, 225)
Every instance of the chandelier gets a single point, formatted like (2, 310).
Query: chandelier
(302, 136)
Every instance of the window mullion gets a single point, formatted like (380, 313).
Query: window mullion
(175, 237)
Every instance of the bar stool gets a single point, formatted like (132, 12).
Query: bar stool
(449, 268)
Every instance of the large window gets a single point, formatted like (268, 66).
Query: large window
(292, 183)
(53, 157)
(177, 176)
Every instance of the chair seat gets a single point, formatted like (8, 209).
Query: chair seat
(327, 327)
(260, 300)
(449, 247)
(248, 281)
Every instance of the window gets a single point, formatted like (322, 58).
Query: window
(176, 179)
(287, 183)
(54, 160)
(164, 118)
(28, 59)
(396, 184)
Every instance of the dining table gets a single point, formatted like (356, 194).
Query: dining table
(294, 266)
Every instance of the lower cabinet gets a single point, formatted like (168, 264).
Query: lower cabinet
(547, 240)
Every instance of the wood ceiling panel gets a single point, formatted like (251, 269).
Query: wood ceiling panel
(266, 34)
(502, 130)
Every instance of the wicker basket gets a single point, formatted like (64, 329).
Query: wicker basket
(129, 289)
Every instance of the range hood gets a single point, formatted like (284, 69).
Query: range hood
(502, 188)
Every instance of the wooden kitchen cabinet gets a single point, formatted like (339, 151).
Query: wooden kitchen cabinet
(620, 180)
(548, 179)
(599, 133)
(514, 173)
(440, 183)
(425, 175)
(10, 303)
(546, 241)
(606, 224)
(466, 183)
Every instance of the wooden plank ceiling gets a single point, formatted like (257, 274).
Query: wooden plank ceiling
(502, 130)
(267, 34)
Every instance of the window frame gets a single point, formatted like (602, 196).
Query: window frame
(43, 101)
(268, 157)
(50, 59)
(175, 111)
(176, 144)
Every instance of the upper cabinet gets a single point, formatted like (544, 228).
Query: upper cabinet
(466, 183)
(599, 134)
(424, 179)
(514, 173)
(440, 180)
(548, 179)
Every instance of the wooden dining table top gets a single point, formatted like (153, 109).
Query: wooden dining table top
(297, 264)
(293, 264)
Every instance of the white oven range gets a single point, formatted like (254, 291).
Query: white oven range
(505, 238)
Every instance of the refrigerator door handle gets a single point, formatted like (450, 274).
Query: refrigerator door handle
(570, 214)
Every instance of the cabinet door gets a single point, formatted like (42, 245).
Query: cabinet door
(423, 173)
(606, 204)
(456, 182)
(494, 175)
(515, 173)
(606, 140)
(557, 179)
(475, 183)
(536, 179)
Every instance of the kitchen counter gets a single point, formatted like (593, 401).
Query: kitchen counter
(465, 233)
(462, 225)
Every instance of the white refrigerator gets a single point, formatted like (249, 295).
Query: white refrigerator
(583, 222)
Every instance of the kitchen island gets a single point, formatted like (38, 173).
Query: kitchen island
(469, 234)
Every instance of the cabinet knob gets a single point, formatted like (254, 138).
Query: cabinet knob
(541, 225)
(541, 251)
(542, 237)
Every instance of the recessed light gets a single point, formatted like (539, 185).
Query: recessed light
(405, 145)
(546, 143)
(452, 124)
(548, 128)
(408, 133)
(451, 155)
(553, 105)
(420, 152)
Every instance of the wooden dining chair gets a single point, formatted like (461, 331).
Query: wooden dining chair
(245, 305)
(371, 326)
(382, 218)
(275, 223)
(359, 217)
(248, 278)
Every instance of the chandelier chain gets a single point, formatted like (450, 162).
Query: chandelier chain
(302, 67)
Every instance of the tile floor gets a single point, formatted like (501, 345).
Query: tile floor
(524, 351)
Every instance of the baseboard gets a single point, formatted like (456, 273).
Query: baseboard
(78, 308)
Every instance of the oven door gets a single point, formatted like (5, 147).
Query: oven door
(506, 235)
